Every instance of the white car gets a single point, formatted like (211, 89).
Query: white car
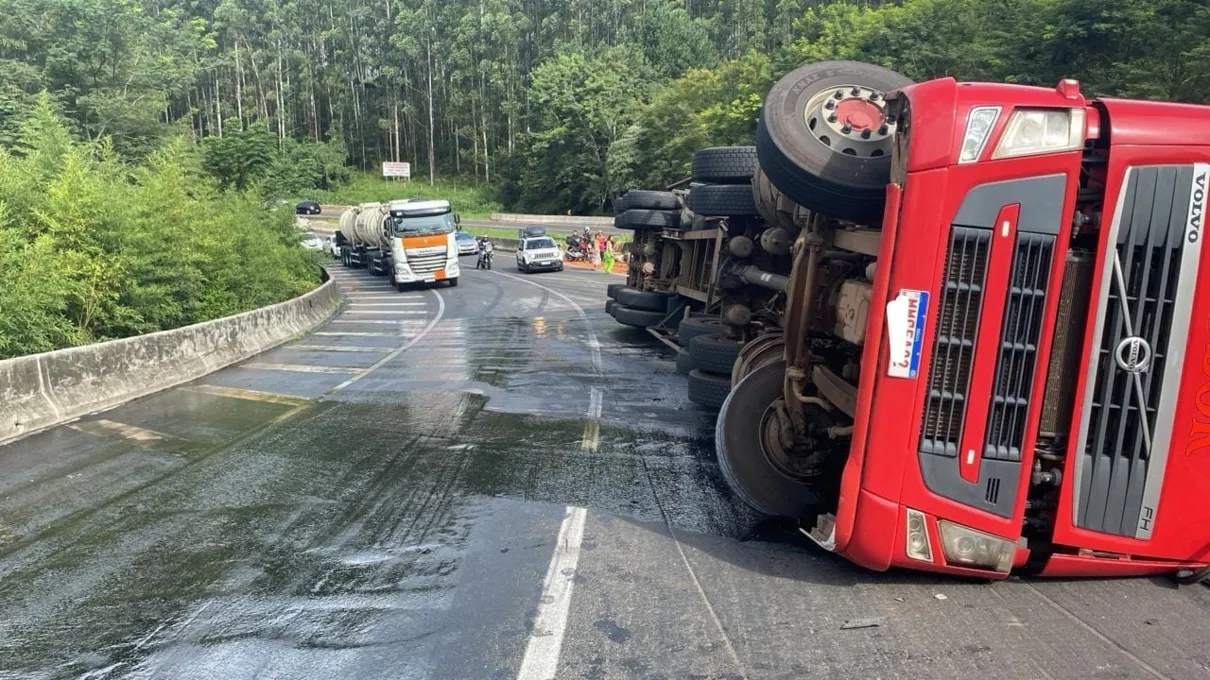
(539, 254)
(331, 247)
(311, 241)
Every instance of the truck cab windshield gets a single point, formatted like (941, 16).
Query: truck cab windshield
(424, 224)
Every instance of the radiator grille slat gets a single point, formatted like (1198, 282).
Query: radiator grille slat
(1020, 335)
(953, 347)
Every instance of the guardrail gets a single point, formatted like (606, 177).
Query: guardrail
(42, 390)
(566, 220)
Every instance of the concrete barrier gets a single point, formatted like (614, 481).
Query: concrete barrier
(41, 390)
(566, 220)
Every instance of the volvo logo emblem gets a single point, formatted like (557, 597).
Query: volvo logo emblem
(1133, 355)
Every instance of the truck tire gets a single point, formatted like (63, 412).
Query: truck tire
(639, 318)
(638, 299)
(807, 155)
(737, 441)
(723, 200)
(724, 164)
(612, 290)
(708, 391)
(453, 282)
(714, 354)
(684, 362)
(698, 325)
(639, 199)
(648, 219)
(609, 305)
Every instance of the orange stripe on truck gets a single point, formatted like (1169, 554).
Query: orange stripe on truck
(425, 241)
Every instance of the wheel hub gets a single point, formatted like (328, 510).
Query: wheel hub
(851, 120)
(799, 459)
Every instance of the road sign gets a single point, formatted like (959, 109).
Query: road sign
(396, 169)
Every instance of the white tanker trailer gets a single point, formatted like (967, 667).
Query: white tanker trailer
(410, 241)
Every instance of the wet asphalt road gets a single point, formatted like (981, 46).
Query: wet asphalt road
(491, 481)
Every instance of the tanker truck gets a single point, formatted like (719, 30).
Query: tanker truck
(410, 241)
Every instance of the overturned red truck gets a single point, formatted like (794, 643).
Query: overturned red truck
(1022, 377)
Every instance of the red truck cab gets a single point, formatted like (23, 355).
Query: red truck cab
(1035, 378)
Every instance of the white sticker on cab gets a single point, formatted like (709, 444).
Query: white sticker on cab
(905, 319)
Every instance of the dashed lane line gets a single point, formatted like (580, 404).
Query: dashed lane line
(102, 428)
(336, 348)
(358, 334)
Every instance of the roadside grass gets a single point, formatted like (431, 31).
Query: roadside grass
(466, 199)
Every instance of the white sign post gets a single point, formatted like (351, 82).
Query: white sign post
(390, 169)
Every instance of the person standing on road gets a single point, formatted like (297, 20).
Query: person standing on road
(591, 245)
(607, 256)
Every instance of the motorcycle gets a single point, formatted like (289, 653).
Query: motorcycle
(577, 248)
(485, 257)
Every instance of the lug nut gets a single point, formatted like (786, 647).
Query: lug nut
(847, 128)
(829, 105)
(832, 118)
(890, 120)
(883, 130)
(855, 91)
(865, 134)
(873, 96)
(839, 94)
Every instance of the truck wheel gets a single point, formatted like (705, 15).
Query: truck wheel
(724, 164)
(767, 349)
(698, 325)
(612, 290)
(609, 305)
(723, 200)
(714, 354)
(684, 362)
(812, 142)
(639, 318)
(453, 282)
(638, 199)
(741, 440)
(708, 391)
(401, 286)
(653, 302)
(648, 219)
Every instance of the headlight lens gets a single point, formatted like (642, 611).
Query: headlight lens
(918, 547)
(966, 547)
(1035, 131)
(978, 126)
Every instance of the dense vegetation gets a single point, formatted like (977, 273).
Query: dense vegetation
(142, 210)
(93, 247)
(554, 103)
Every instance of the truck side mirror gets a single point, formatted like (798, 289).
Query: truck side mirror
(458, 219)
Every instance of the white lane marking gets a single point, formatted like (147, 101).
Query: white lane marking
(393, 322)
(359, 297)
(394, 353)
(297, 368)
(130, 432)
(592, 429)
(336, 348)
(593, 346)
(251, 395)
(541, 660)
(359, 334)
(385, 311)
(388, 304)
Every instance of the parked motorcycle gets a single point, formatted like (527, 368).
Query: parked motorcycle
(577, 248)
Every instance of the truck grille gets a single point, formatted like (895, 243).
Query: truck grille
(1023, 313)
(954, 343)
(1144, 310)
(426, 264)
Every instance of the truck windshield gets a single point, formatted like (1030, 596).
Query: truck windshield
(427, 224)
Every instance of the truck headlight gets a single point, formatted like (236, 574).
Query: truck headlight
(978, 126)
(1035, 131)
(966, 547)
(918, 547)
